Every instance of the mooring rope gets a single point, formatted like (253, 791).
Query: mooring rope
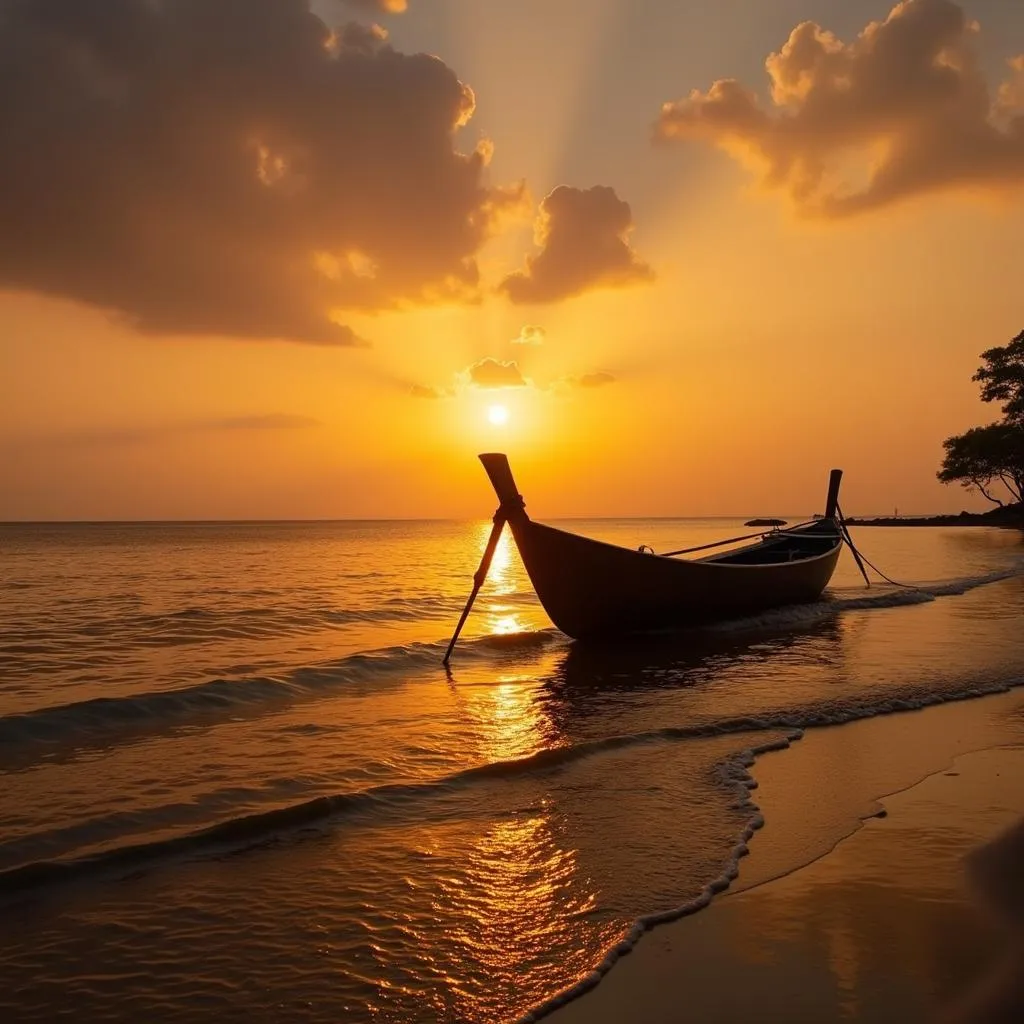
(728, 540)
(860, 557)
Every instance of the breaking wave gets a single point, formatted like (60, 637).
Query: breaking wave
(390, 800)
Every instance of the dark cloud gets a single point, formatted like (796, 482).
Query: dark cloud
(530, 335)
(232, 167)
(582, 234)
(491, 373)
(905, 103)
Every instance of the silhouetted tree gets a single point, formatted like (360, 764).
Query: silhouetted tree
(985, 457)
(1002, 378)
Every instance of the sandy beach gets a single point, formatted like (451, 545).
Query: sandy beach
(884, 925)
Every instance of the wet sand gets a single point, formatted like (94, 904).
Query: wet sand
(886, 925)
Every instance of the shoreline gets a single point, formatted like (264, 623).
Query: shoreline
(998, 519)
(824, 805)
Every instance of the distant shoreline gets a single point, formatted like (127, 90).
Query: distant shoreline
(1010, 517)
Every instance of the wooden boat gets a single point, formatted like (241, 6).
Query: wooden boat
(593, 589)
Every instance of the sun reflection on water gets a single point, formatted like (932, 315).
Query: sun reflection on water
(520, 894)
(506, 587)
(506, 625)
(500, 579)
(508, 721)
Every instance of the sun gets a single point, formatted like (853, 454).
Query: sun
(498, 415)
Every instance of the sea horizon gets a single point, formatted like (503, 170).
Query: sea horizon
(802, 516)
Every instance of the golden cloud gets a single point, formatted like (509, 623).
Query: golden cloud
(901, 111)
(493, 373)
(583, 240)
(530, 335)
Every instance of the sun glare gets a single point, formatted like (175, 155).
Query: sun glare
(498, 415)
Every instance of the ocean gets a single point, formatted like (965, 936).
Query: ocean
(237, 783)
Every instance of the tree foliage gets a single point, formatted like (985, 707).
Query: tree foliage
(1002, 378)
(984, 458)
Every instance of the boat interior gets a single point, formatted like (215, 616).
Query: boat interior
(781, 546)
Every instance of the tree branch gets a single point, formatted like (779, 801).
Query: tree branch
(1011, 484)
(981, 487)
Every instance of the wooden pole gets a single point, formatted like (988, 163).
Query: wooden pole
(478, 578)
(845, 533)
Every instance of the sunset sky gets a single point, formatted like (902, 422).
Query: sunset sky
(258, 262)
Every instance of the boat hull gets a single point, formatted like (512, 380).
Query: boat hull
(591, 589)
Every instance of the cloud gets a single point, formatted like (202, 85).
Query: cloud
(492, 373)
(582, 234)
(598, 379)
(379, 6)
(901, 111)
(269, 421)
(265, 422)
(587, 381)
(357, 38)
(425, 391)
(486, 373)
(530, 335)
(233, 168)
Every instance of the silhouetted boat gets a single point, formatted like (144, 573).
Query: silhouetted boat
(593, 589)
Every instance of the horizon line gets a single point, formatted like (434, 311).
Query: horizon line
(431, 519)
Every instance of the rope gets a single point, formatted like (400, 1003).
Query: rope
(860, 558)
(863, 558)
(722, 543)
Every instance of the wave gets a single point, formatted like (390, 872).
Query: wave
(386, 800)
(100, 715)
(835, 603)
(195, 624)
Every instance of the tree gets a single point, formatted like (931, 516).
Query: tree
(1002, 378)
(985, 456)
